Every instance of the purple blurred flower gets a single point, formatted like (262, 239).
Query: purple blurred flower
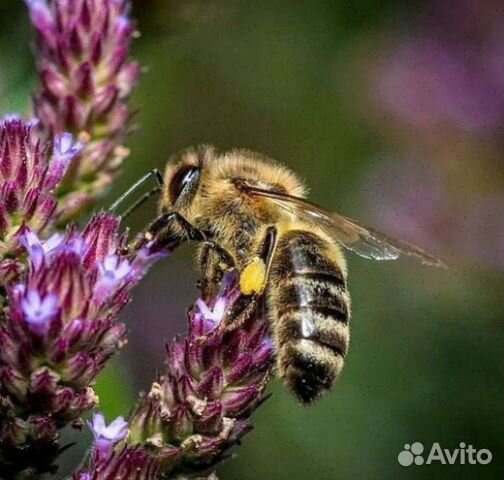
(214, 380)
(412, 200)
(450, 71)
(445, 79)
(429, 83)
(29, 171)
(408, 199)
(60, 330)
(82, 53)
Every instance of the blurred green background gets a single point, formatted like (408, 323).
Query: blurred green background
(393, 113)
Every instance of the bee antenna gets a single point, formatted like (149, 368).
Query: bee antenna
(153, 173)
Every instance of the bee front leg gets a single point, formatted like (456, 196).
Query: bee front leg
(164, 232)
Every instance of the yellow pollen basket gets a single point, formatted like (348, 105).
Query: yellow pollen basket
(253, 277)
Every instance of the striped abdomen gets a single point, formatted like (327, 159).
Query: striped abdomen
(309, 306)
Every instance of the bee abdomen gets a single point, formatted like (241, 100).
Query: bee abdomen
(310, 307)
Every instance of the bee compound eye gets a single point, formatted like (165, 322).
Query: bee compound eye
(184, 178)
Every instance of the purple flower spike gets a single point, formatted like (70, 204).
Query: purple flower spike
(214, 381)
(86, 79)
(29, 170)
(60, 330)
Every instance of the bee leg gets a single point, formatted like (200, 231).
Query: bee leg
(246, 305)
(254, 276)
(162, 231)
(243, 309)
(248, 301)
(214, 261)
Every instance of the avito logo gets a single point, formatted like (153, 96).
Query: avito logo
(465, 454)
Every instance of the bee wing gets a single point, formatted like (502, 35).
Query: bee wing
(360, 239)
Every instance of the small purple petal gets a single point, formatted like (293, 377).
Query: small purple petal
(84, 476)
(76, 245)
(38, 311)
(65, 146)
(107, 436)
(217, 313)
(30, 241)
(111, 273)
(52, 244)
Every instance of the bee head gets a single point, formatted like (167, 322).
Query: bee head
(182, 178)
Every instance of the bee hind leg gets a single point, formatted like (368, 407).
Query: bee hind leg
(253, 280)
(243, 309)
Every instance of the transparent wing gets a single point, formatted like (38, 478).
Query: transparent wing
(360, 239)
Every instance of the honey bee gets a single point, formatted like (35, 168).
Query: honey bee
(249, 214)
